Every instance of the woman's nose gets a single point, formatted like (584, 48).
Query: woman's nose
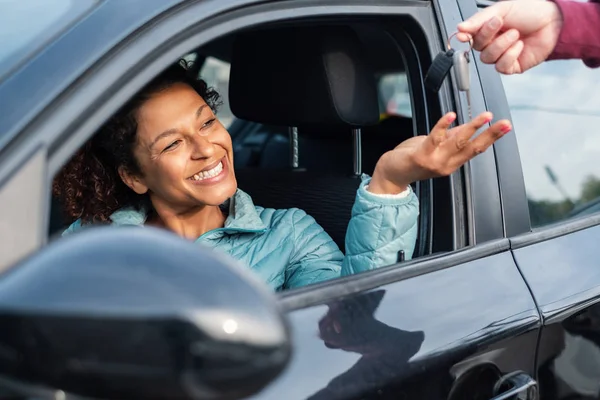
(202, 147)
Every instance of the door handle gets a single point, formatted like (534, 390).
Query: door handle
(522, 387)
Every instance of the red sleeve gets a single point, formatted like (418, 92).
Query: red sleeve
(580, 34)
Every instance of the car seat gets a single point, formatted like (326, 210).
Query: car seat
(318, 80)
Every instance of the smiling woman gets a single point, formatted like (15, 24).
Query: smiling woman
(165, 160)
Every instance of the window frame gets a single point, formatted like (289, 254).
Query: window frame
(21, 222)
(101, 91)
(513, 199)
(482, 197)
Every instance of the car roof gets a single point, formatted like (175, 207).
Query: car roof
(25, 91)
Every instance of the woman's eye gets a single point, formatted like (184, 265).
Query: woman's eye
(208, 123)
(172, 145)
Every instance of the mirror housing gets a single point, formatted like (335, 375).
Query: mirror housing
(139, 313)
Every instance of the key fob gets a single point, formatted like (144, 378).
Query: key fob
(439, 69)
(461, 70)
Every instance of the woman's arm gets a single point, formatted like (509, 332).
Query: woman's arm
(381, 226)
(384, 216)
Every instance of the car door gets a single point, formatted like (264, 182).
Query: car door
(445, 328)
(549, 180)
(458, 324)
(558, 258)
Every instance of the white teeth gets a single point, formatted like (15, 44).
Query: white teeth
(211, 173)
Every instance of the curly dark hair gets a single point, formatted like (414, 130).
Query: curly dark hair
(89, 186)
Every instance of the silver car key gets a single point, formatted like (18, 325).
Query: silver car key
(461, 71)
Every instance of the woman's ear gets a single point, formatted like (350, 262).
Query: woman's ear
(132, 181)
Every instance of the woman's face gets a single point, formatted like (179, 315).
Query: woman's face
(184, 152)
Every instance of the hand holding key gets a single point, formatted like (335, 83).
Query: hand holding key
(440, 153)
(514, 35)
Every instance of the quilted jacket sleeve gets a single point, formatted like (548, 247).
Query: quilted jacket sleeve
(379, 228)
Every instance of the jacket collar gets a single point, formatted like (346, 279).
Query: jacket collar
(242, 216)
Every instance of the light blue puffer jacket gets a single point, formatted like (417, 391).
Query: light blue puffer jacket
(288, 248)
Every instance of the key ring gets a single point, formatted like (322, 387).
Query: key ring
(456, 33)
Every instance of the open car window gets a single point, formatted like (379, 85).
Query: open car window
(216, 73)
(394, 94)
(331, 158)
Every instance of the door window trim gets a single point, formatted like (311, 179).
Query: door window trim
(329, 290)
(26, 190)
(552, 231)
(515, 210)
(482, 187)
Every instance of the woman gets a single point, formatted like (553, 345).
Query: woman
(165, 160)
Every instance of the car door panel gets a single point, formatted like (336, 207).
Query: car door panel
(432, 336)
(564, 275)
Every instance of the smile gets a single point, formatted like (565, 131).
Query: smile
(207, 174)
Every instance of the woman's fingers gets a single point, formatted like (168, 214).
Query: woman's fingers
(482, 142)
(461, 134)
(438, 133)
(499, 46)
(490, 136)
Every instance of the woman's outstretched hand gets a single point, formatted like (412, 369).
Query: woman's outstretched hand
(440, 153)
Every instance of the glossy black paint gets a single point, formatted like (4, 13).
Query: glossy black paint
(139, 313)
(564, 275)
(449, 334)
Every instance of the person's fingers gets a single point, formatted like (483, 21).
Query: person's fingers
(488, 34)
(438, 133)
(473, 24)
(461, 135)
(487, 138)
(464, 37)
(497, 47)
(508, 63)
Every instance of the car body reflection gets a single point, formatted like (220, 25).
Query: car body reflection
(572, 369)
(350, 325)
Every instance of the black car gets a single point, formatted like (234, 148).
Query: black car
(495, 304)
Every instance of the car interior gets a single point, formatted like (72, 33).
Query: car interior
(310, 117)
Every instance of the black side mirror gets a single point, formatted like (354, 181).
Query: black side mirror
(138, 313)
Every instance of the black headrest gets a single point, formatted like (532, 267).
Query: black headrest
(302, 76)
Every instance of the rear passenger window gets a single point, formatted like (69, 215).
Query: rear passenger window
(554, 109)
(216, 73)
(394, 95)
